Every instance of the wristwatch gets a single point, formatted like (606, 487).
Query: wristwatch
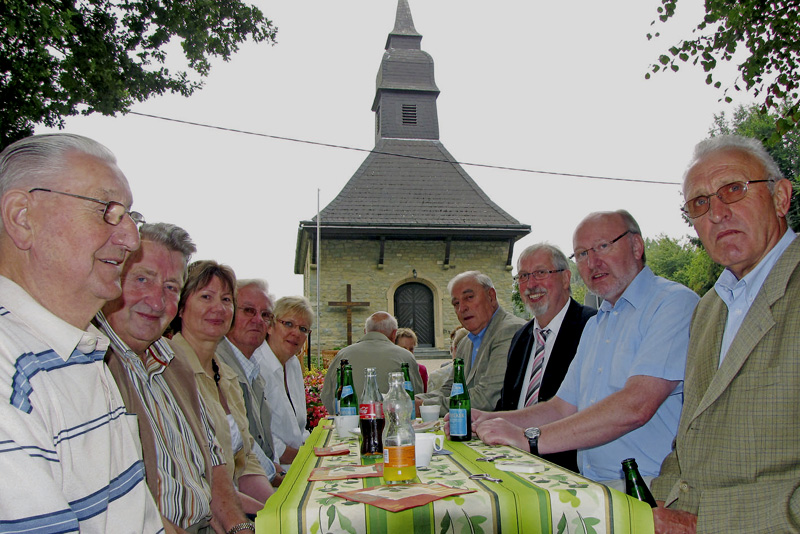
(533, 434)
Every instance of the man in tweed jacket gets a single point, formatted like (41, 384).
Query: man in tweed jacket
(735, 466)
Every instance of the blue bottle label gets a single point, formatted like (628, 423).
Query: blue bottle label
(348, 410)
(347, 391)
(458, 389)
(458, 422)
(408, 386)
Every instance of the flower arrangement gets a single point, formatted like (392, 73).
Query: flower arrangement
(313, 380)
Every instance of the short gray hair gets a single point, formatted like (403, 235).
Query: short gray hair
(478, 276)
(382, 322)
(633, 227)
(38, 159)
(748, 145)
(171, 236)
(559, 259)
(257, 282)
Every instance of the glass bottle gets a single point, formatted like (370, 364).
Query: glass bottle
(634, 483)
(339, 383)
(348, 400)
(460, 405)
(399, 461)
(407, 380)
(370, 411)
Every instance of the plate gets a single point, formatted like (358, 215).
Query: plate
(355, 431)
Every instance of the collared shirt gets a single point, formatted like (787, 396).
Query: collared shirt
(738, 295)
(477, 339)
(249, 365)
(288, 416)
(554, 326)
(184, 494)
(646, 332)
(70, 456)
(237, 462)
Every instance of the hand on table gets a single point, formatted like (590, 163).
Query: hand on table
(668, 521)
(500, 432)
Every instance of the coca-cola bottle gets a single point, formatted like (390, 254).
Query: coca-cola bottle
(370, 411)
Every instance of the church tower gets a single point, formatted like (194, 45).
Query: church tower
(409, 219)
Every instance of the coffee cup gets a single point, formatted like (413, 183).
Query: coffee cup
(344, 424)
(429, 412)
(424, 445)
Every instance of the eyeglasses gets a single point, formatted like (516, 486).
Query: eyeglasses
(251, 312)
(728, 194)
(523, 277)
(601, 249)
(113, 213)
(289, 325)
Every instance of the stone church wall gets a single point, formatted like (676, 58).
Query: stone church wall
(355, 262)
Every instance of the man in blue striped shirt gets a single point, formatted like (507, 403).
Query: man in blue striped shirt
(70, 455)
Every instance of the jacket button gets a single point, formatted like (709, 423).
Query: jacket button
(684, 487)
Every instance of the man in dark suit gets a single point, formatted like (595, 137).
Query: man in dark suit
(540, 353)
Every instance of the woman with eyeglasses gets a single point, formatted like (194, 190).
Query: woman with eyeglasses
(205, 313)
(280, 368)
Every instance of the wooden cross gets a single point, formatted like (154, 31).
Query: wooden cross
(349, 305)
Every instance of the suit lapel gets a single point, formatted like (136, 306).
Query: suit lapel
(487, 337)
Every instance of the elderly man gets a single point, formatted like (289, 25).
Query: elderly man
(621, 397)
(485, 350)
(69, 456)
(376, 349)
(247, 334)
(542, 350)
(184, 464)
(736, 463)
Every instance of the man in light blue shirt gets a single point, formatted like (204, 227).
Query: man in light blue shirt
(621, 397)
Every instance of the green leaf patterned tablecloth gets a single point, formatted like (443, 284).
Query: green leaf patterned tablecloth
(550, 500)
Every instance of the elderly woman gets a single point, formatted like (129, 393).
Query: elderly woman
(286, 336)
(407, 339)
(205, 313)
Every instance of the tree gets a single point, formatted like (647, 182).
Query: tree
(684, 261)
(62, 58)
(770, 31)
(753, 122)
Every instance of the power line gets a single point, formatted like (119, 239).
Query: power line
(343, 147)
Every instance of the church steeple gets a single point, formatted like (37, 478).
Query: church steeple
(405, 96)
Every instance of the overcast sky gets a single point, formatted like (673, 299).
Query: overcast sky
(545, 86)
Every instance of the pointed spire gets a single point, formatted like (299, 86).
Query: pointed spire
(404, 24)
(404, 35)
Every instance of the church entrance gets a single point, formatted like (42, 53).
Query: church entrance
(413, 307)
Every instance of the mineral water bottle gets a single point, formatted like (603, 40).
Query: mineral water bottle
(348, 400)
(399, 462)
(460, 405)
(634, 483)
(407, 380)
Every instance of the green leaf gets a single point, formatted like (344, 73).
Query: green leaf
(446, 521)
(331, 515)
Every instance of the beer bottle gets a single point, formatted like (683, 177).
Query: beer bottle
(399, 462)
(634, 483)
(407, 380)
(339, 381)
(460, 405)
(370, 411)
(348, 401)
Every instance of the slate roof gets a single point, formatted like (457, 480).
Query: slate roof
(429, 190)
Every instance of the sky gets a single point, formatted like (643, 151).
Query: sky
(557, 87)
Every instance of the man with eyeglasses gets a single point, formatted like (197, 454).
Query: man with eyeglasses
(247, 335)
(542, 350)
(621, 396)
(70, 458)
(485, 351)
(375, 349)
(736, 463)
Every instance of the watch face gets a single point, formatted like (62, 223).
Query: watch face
(532, 432)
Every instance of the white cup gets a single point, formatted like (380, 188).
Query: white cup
(344, 424)
(424, 445)
(429, 412)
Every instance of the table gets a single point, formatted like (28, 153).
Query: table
(552, 500)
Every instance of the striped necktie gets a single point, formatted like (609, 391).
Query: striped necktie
(532, 395)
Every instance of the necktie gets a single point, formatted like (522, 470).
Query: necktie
(532, 395)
